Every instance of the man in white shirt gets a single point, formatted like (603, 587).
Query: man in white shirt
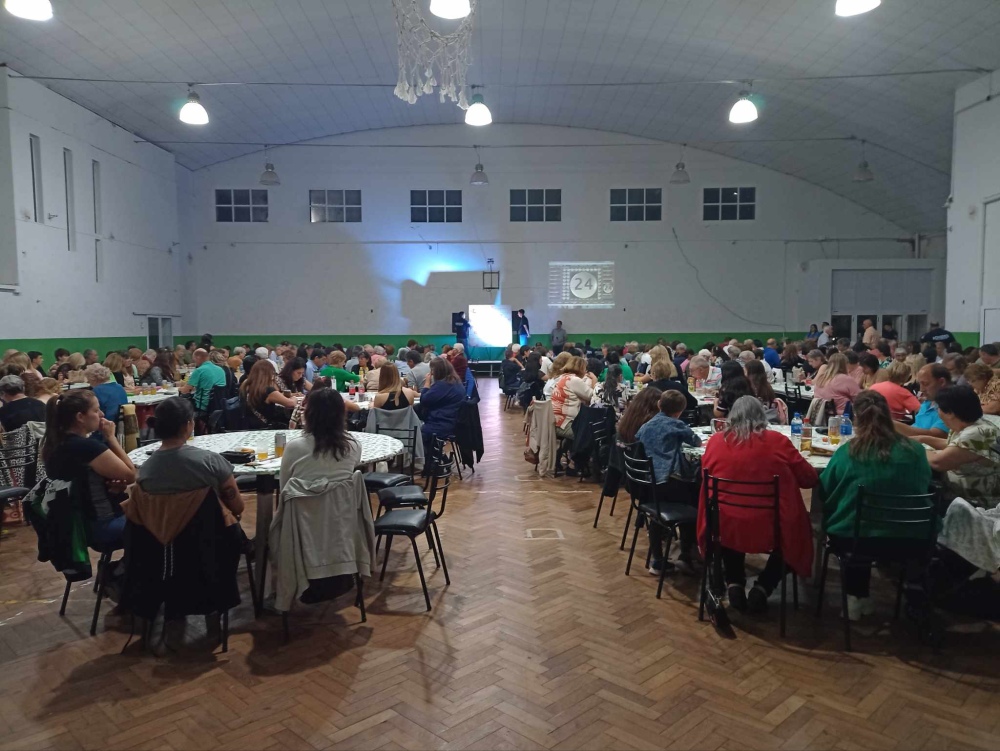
(826, 337)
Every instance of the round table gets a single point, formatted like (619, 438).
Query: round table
(818, 461)
(374, 448)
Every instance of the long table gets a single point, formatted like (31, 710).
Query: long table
(819, 461)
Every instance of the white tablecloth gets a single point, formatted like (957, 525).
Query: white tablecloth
(816, 460)
(374, 448)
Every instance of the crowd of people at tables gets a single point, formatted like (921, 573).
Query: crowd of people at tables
(920, 410)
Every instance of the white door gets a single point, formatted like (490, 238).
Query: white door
(991, 254)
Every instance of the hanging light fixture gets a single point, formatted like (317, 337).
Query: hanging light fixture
(193, 113)
(479, 175)
(863, 173)
(478, 113)
(855, 7)
(744, 111)
(269, 176)
(32, 10)
(680, 176)
(451, 9)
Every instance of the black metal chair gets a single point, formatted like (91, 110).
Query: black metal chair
(509, 390)
(375, 482)
(100, 585)
(412, 495)
(640, 481)
(692, 417)
(308, 599)
(413, 522)
(913, 516)
(765, 490)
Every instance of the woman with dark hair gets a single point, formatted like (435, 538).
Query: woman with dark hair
(640, 410)
(178, 467)
(263, 402)
(162, 370)
(534, 378)
(614, 358)
(292, 377)
(813, 333)
(775, 409)
(99, 471)
(610, 392)
(790, 358)
(733, 385)
(326, 447)
(966, 457)
(302, 353)
(883, 461)
(363, 366)
(440, 400)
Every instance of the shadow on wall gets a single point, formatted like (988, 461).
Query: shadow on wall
(428, 307)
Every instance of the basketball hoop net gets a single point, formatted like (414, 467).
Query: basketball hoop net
(429, 59)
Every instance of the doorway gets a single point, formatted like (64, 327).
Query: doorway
(159, 332)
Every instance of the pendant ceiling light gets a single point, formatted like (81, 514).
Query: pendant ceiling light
(193, 113)
(478, 113)
(32, 10)
(744, 111)
(269, 176)
(479, 175)
(450, 9)
(863, 173)
(855, 7)
(680, 176)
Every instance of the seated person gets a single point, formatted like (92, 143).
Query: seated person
(459, 361)
(614, 358)
(833, 384)
(775, 409)
(747, 450)
(441, 398)
(265, 406)
(663, 375)
(700, 369)
(931, 379)
(335, 369)
(986, 383)
(869, 369)
(966, 457)
(510, 370)
(900, 399)
(732, 386)
(575, 386)
(292, 377)
(326, 447)
(884, 462)
(205, 377)
(99, 470)
(18, 408)
(110, 395)
(611, 393)
(363, 365)
(662, 438)
(391, 392)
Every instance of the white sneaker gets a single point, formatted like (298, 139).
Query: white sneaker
(858, 607)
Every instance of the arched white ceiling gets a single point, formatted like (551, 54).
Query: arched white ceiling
(525, 52)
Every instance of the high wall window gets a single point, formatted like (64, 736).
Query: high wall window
(435, 206)
(334, 206)
(95, 179)
(729, 204)
(37, 207)
(636, 204)
(536, 205)
(240, 205)
(70, 202)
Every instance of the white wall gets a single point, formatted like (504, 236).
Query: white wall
(58, 293)
(975, 181)
(294, 276)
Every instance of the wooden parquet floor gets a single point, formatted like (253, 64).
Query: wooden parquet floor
(537, 643)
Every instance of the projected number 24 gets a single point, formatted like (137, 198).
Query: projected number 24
(583, 284)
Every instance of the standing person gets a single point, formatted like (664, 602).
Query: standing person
(462, 328)
(523, 329)
(558, 338)
(826, 336)
(889, 333)
(869, 334)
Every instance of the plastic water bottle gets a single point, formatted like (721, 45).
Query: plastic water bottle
(846, 426)
(797, 430)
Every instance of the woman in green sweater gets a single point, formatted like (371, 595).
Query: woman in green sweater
(884, 462)
(335, 370)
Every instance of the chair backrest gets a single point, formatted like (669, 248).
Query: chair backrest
(408, 437)
(640, 479)
(912, 516)
(441, 474)
(761, 496)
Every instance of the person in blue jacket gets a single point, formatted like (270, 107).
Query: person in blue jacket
(441, 399)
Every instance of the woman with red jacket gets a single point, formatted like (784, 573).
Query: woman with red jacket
(747, 451)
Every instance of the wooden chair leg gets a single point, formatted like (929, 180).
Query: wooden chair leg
(437, 535)
(385, 557)
(420, 571)
(65, 597)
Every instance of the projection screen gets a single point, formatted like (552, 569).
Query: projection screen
(574, 284)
